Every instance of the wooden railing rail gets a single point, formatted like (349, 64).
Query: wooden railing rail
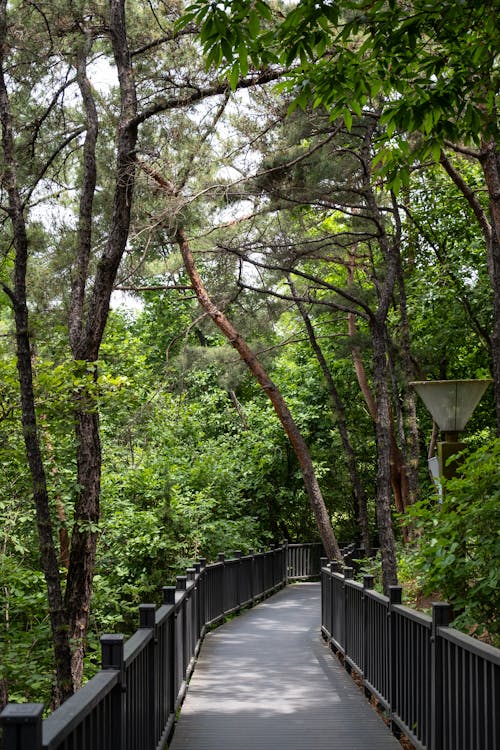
(440, 688)
(131, 703)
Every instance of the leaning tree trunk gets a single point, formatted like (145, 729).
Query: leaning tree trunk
(299, 445)
(358, 491)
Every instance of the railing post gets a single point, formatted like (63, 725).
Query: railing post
(323, 562)
(202, 586)
(181, 585)
(395, 597)
(264, 568)
(441, 617)
(271, 558)
(147, 614)
(222, 601)
(348, 575)
(112, 658)
(168, 594)
(22, 726)
(284, 545)
(368, 581)
(238, 555)
(200, 604)
(169, 599)
(193, 624)
(251, 554)
(333, 567)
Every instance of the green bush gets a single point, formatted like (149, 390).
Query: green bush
(459, 551)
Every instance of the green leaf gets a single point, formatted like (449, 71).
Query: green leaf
(243, 59)
(254, 24)
(234, 77)
(347, 116)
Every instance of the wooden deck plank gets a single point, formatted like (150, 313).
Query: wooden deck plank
(266, 681)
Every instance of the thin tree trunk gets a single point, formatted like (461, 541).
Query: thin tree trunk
(359, 495)
(396, 459)
(383, 432)
(491, 169)
(4, 693)
(83, 537)
(412, 452)
(384, 425)
(87, 323)
(63, 688)
(239, 409)
(489, 159)
(64, 540)
(301, 450)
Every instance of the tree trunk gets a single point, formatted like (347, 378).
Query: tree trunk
(489, 158)
(411, 456)
(88, 321)
(491, 169)
(384, 423)
(399, 482)
(63, 687)
(383, 427)
(358, 491)
(84, 537)
(64, 540)
(301, 450)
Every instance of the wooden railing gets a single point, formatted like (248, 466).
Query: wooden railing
(131, 703)
(439, 687)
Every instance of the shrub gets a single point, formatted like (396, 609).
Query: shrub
(459, 551)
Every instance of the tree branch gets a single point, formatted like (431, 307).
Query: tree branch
(197, 94)
(469, 195)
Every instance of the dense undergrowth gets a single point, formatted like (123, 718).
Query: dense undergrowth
(455, 552)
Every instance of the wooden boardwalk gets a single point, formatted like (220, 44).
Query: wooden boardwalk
(266, 681)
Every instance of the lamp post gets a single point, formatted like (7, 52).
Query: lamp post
(451, 404)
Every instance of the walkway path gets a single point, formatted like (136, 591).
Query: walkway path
(266, 681)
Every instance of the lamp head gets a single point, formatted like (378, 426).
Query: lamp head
(451, 402)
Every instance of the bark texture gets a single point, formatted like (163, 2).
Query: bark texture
(491, 169)
(384, 423)
(247, 355)
(358, 491)
(18, 299)
(489, 158)
(87, 321)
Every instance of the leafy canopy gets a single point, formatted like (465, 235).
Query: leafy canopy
(427, 67)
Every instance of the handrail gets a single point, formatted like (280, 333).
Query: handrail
(439, 687)
(131, 703)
